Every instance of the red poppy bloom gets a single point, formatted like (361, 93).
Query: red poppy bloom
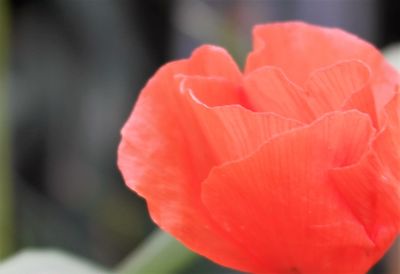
(292, 166)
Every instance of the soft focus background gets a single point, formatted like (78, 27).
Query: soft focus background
(70, 71)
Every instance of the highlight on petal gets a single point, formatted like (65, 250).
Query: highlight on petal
(232, 131)
(164, 156)
(268, 90)
(299, 49)
(343, 85)
(279, 202)
(212, 91)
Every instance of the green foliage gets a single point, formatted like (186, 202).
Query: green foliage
(160, 253)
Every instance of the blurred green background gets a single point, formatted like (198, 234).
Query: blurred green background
(70, 71)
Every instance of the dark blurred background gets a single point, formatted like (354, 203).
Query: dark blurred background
(76, 68)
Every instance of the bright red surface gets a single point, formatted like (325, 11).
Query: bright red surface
(293, 165)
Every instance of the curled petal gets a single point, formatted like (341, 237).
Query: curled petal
(299, 49)
(343, 85)
(214, 61)
(212, 91)
(372, 195)
(279, 203)
(387, 143)
(364, 101)
(232, 131)
(163, 156)
(268, 90)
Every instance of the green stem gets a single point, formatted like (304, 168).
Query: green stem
(6, 193)
(160, 253)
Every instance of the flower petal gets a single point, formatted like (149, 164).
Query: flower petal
(268, 90)
(278, 202)
(212, 91)
(215, 61)
(372, 195)
(299, 49)
(343, 85)
(364, 101)
(232, 131)
(164, 157)
(387, 144)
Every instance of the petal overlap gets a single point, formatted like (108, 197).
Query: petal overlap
(163, 158)
(290, 167)
(307, 48)
(387, 143)
(372, 194)
(343, 85)
(294, 218)
(232, 131)
(269, 90)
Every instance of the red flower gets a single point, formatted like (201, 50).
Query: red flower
(290, 167)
